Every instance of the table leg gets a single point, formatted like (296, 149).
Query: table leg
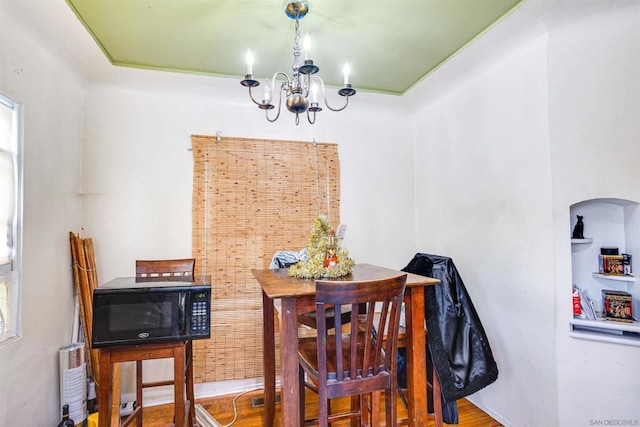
(189, 381)
(416, 357)
(104, 389)
(289, 385)
(178, 384)
(437, 401)
(138, 390)
(269, 360)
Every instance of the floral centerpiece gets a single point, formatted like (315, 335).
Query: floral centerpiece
(322, 245)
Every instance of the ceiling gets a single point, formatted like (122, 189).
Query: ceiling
(389, 45)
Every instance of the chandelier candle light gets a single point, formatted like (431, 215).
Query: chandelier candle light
(301, 89)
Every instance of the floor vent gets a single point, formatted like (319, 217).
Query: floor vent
(259, 401)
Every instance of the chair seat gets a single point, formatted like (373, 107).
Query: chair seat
(308, 356)
(310, 319)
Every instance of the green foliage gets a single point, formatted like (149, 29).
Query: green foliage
(314, 267)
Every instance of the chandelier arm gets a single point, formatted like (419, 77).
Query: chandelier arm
(282, 89)
(309, 117)
(266, 115)
(336, 109)
(252, 98)
(326, 102)
(283, 74)
(273, 85)
(307, 86)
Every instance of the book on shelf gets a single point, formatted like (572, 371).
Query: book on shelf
(587, 309)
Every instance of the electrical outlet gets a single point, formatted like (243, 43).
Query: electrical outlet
(127, 408)
(342, 230)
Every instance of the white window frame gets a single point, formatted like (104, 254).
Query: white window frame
(11, 273)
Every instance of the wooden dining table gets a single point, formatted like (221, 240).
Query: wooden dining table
(298, 296)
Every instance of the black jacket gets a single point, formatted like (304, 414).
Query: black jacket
(457, 341)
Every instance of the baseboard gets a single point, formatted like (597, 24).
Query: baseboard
(490, 412)
(163, 395)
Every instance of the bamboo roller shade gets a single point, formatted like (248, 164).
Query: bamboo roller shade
(251, 198)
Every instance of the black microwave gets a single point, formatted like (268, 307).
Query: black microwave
(131, 311)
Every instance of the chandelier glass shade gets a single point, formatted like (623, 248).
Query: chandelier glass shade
(301, 88)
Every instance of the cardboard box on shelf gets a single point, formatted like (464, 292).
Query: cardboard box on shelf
(617, 305)
(611, 264)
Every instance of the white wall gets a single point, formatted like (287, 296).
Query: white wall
(501, 148)
(502, 151)
(132, 137)
(138, 170)
(594, 87)
(52, 98)
(483, 197)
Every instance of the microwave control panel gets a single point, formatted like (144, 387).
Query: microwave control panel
(200, 314)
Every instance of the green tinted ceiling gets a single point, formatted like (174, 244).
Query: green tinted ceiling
(390, 45)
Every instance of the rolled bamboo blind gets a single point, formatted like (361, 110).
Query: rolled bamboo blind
(251, 198)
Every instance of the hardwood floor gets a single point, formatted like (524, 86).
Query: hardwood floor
(222, 409)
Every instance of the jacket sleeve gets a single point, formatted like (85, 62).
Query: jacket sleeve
(457, 341)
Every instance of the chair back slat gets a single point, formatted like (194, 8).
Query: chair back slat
(370, 344)
(338, 342)
(165, 267)
(393, 334)
(321, 311)
(382, 326)
(353, 349)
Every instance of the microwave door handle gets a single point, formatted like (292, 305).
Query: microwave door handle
(182, 317)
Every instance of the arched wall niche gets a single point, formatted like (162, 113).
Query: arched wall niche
(607, 222)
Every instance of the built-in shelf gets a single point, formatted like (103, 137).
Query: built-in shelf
(626, 278)
(607, 331)
(581, 241)
(615, 223)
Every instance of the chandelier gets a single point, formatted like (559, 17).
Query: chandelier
(301, 89)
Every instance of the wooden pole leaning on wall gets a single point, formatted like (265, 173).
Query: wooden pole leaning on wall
(85, 276)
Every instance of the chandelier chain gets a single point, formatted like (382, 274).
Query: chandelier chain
(296, 52)
(296, 39)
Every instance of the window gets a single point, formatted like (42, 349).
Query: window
(10, 217)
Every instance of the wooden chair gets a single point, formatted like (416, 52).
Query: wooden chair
(184, 414)
(310, 320)
(360, 363)
(179, 269)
